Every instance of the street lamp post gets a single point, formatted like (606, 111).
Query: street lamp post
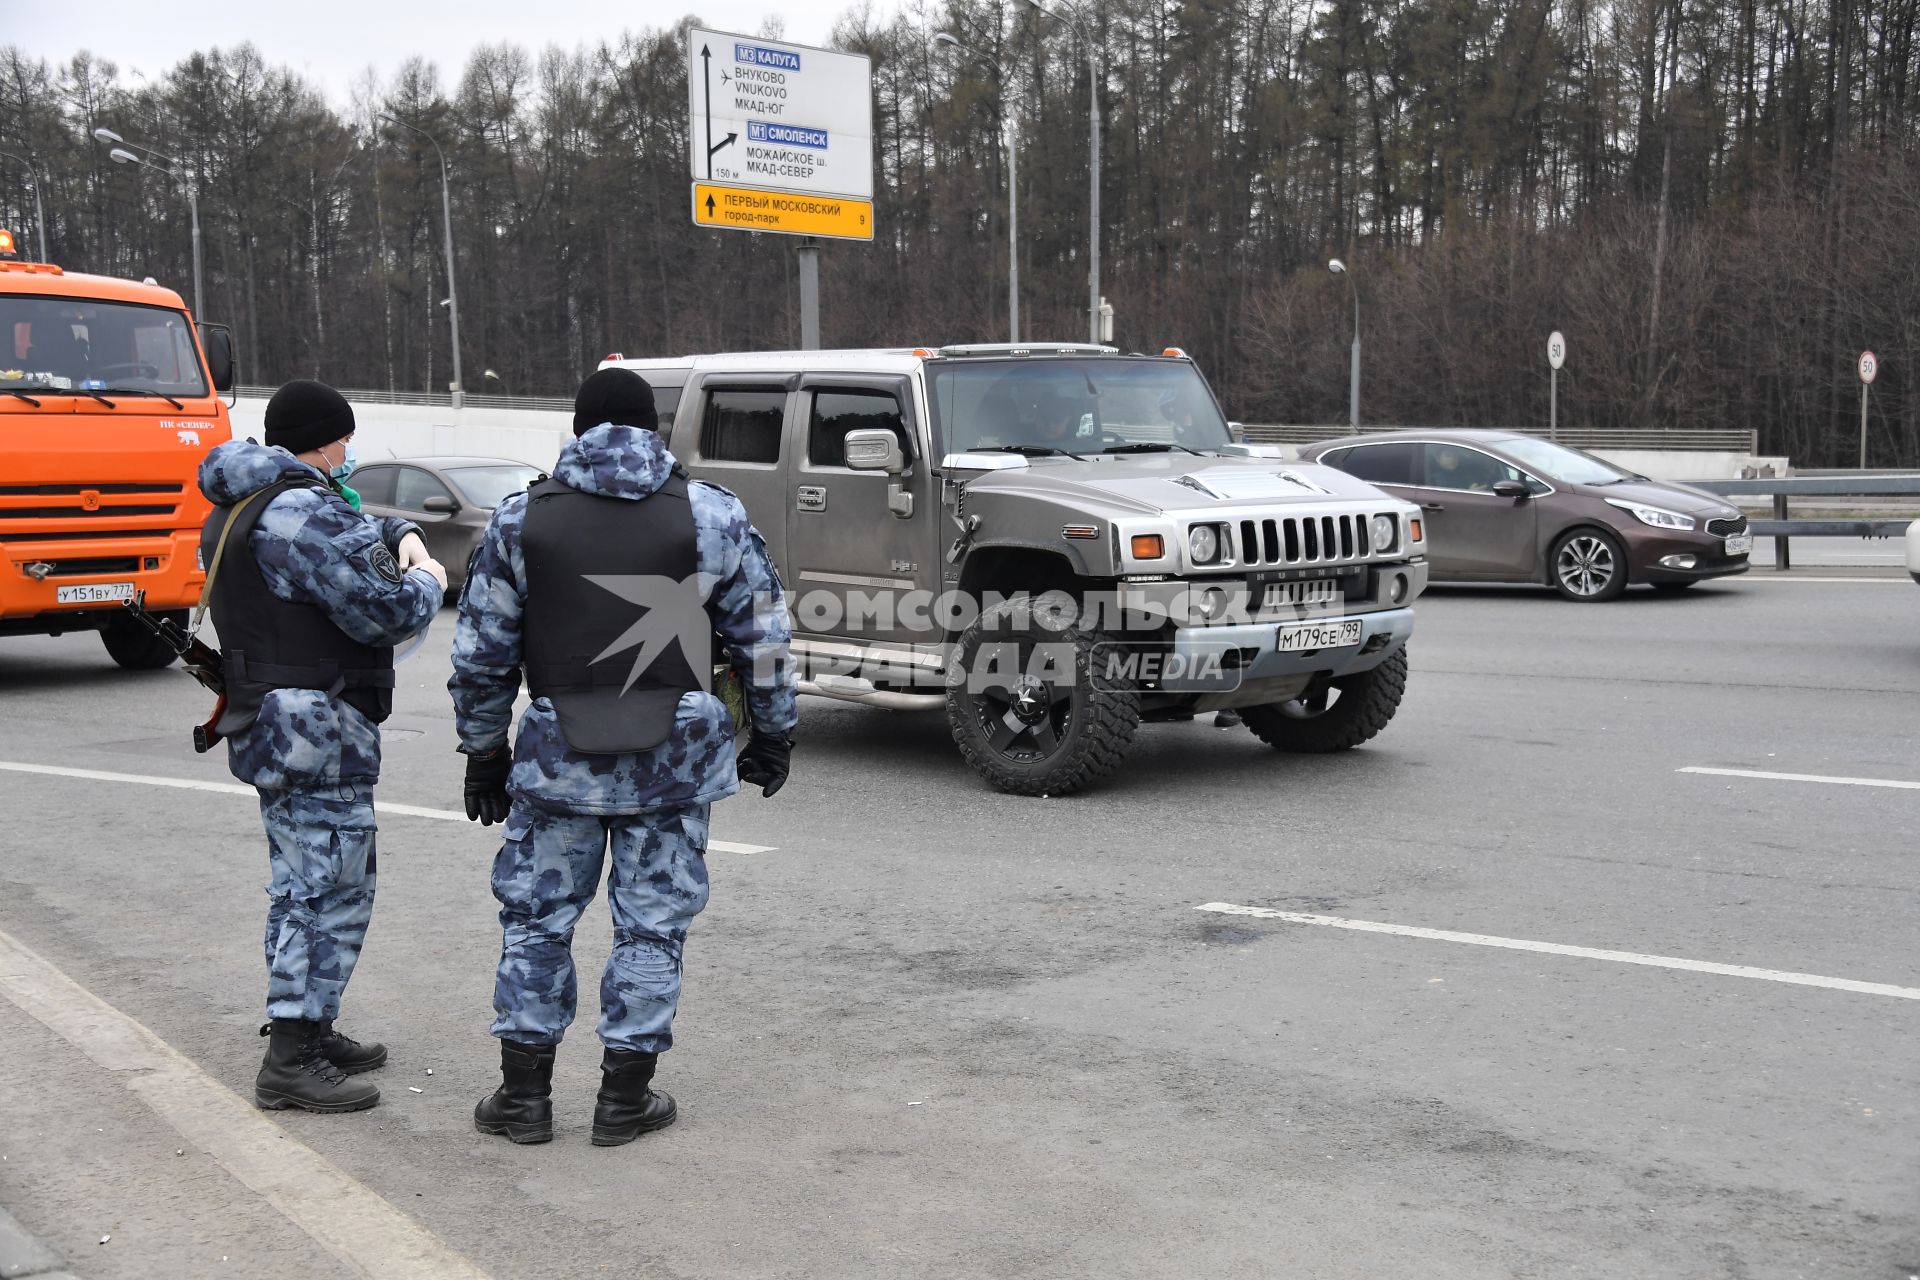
(122, 155)
(39, 212)
(1093, 214)
(1013, 201)
(446, 221)
(1339, 268)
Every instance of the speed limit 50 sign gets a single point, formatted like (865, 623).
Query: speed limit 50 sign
(1869, 366)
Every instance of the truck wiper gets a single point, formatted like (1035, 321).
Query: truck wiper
(70, 391)
(15, 391)
(1152, 447)
(143, 391)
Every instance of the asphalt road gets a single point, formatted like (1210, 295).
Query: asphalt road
(941, 1032)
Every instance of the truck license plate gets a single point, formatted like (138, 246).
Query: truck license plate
(1739, 544)
(93, 593)
(1335, 634)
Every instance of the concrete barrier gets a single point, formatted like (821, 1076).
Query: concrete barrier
(533, 436)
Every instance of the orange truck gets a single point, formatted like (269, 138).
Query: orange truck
(109, 399)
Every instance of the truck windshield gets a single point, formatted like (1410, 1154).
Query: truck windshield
(1077, 406)
(79, 345)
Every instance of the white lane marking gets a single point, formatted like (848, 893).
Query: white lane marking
(1560, 949)
(235, 789)
(345, 1217)
(1802, 777)
(1790, 576)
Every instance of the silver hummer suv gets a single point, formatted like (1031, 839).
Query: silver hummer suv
(1055, 544)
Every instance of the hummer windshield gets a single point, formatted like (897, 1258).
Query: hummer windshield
(1100, 404)
(79, 346)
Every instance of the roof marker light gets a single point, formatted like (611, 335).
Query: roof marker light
(1175, 352)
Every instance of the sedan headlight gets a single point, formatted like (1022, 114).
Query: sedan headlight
(1658, 517)
(1384, 534)
(1203, 544)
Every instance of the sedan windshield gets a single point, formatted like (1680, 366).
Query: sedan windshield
(1080, 406)
(487, 486)
(83, 346)
(1557, 462)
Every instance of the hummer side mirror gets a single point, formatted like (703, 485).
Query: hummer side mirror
(875, 449)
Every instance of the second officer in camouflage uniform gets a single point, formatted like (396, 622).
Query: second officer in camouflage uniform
(607, 584)
(309, 596)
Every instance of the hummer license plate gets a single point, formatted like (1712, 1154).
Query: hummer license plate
(1338, 633)
(93, 593)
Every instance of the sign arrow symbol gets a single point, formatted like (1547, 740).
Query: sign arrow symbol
(709, 205)
(706, 83)
(722, 144)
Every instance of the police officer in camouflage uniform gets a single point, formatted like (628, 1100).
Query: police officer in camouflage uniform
(309, 596)
(608, 584)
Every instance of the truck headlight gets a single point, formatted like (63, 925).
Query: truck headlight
(1384, 533)
(1203, 544)
(1658, 517)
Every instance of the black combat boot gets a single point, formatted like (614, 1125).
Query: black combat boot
(343, 1051)
(296, 1073)
(521, 1109)
(627, 1107)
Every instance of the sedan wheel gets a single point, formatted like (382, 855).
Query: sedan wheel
(1589, 566)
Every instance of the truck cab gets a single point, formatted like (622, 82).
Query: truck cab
(109, 399)
(1055, 544)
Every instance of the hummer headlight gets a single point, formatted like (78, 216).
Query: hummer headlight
(1203, 544)
(1384, 533)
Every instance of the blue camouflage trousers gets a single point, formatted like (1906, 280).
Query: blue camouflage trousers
(546, 874)
(320, 844)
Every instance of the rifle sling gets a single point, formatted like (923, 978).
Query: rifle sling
(219, 550)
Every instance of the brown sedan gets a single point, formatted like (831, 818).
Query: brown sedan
(451, 499)
(1505, 507)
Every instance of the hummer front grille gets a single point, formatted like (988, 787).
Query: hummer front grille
(1303, 540)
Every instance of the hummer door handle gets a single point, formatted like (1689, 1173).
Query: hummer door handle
(810, 497)
(1432, 506)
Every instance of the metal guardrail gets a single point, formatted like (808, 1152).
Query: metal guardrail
(1829, 485)
(426, 399)
(1712, 440)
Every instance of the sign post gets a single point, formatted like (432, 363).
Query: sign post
(1556, 356)
(1869, 366)
(782, 141)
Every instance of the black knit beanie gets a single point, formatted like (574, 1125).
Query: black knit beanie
(619, 396)
(305, 415)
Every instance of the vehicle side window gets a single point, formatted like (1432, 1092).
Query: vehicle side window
(837, 412)
(412, 487)
(1381, 463)
(1454, 466)
(375, 484)
(665, 401)
(1335, 458)
(742, 426)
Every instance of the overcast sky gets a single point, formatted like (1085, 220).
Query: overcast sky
(332, 42)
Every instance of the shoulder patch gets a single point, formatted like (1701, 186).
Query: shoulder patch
(384, 564)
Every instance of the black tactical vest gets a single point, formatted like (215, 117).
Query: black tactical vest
(269, 643)
(614, 629)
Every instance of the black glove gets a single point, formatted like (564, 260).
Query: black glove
(487, 800)
(764, 763)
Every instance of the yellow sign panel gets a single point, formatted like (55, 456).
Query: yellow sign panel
(748, 209)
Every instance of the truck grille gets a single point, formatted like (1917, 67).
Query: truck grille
(84, 502)
(1722, 528)
(1293, 540)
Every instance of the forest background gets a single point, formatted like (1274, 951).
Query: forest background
(1717, 203)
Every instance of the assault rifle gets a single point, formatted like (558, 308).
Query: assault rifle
(201, 660)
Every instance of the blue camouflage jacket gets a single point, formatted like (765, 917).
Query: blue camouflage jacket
(736, 579)
(312, 548)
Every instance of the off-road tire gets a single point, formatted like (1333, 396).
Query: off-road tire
(1101, 716)
(134, 647)
(1366, 701)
